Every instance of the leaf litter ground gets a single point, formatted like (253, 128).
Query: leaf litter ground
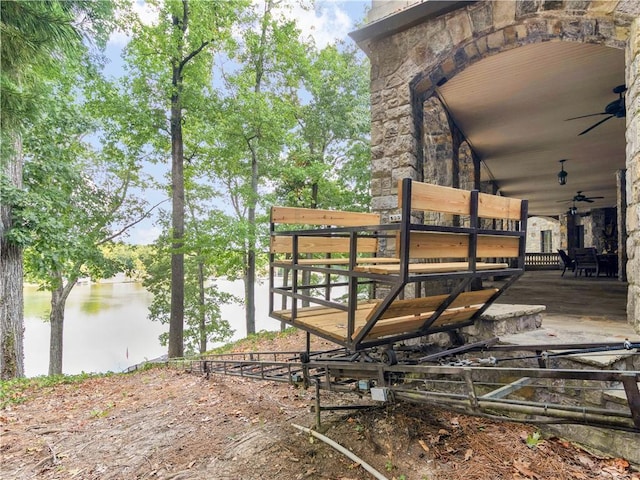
(167, 424)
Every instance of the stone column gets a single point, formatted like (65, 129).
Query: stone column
(621, 183)
(633, 173)
(437, 153)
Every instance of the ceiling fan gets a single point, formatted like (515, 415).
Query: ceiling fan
(579, 197)
(613, 109)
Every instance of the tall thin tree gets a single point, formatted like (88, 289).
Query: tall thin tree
(36, 36)
(171, 62)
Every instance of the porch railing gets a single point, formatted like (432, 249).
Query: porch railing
(541, 261)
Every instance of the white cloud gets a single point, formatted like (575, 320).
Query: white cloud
(326, 24)
(147, 13)
(143, 234)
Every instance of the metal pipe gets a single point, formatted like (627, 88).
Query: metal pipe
(344, 451)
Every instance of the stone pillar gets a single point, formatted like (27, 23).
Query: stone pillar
(466, 171)
(621, 183)
(571, 234)
(437, 153)
(633, 173)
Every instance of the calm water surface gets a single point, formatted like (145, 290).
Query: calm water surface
(106, 326)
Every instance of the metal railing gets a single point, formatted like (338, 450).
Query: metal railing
(542, 261)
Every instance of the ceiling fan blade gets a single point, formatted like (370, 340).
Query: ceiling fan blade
(595, 125)
(588, 200)
(594, 198)
(585, 116)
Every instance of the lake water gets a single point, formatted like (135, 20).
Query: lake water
(106, 326)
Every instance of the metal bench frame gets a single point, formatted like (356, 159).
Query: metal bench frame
(359, 271)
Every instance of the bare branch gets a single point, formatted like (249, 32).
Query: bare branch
(135, 222)
(186, 59)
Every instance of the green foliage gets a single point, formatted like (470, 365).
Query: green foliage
(74, 195)
(533, 439)
(20, 390)
(36, 36)
(327, 162)
(102, 412)
(200, 318)
(251, 341)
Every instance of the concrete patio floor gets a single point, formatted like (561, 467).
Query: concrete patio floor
(583, 297)
(578, 309)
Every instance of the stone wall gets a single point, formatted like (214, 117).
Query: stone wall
(633, 173)
(407, 66)
(535, 225)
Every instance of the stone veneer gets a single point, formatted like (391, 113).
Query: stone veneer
(633, 172)
(406, 67)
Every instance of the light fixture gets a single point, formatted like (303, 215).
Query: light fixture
(573, 209)
(562, 175)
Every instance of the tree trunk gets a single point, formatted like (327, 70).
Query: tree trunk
(201, 310)
(176, 319)
(11, 274)
(250, 283)
(250, 278)
(56, 318)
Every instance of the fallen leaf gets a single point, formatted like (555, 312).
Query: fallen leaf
(468, 454)
(620, 463)
(423, 445)
(578, 475)
(442, 431)
(455, 422)
(523, 469)
(586, 461)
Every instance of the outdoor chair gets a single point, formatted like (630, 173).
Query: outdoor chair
(567, 262)
(586, 260)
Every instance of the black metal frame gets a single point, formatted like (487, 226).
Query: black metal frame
(396, 282)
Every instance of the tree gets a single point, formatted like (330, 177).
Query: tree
(76, 199)
(204, 249)
(171, 65)
(327, 161)
(257, 114)
(36, 37)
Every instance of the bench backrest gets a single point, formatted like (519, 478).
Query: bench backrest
(436, 198)
(420, 196)
(327, 218)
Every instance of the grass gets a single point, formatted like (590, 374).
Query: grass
(19, 390)
(252, 341)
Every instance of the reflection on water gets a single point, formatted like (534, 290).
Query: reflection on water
(106, 326)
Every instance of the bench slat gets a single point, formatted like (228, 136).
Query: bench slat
(318, 311)
(335, 261)
(310, 244)
(431, 267)
(313, 216)
(456, 245)
(436, 198)
(396, 326)
(418, 306)
(493, 206)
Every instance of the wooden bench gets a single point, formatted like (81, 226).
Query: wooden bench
(343, 246)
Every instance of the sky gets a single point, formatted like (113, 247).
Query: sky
(328, 22)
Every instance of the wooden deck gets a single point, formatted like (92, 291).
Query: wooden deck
(400, 317)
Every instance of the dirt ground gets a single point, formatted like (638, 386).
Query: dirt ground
(167, 424)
